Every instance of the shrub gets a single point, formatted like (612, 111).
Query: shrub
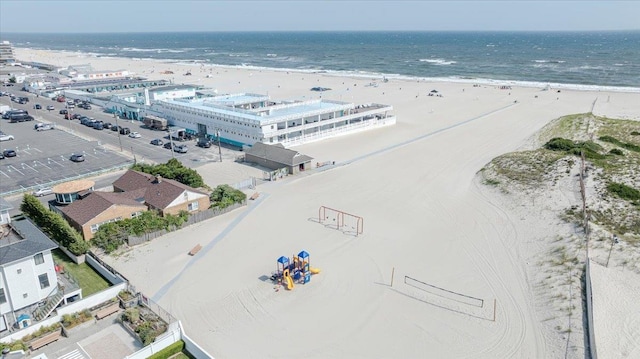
(629, 146)
(616, 151)
(224, 195)
(623, 191)
(559, 144)
(71, 320)
(111, 236)
(635, 133)
(53, 225)
(174, 170)
(146, 332)
(131, 315)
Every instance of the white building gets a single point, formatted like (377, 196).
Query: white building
(85, 72)
(6, 52)
(243, 119)
(27, 273)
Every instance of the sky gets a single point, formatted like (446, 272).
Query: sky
(84, 16)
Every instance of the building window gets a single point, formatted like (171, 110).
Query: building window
(193, 206)
(39, 258)
(94, 228)
(3, 297)
(44, 281)
(19, 270)
(25, 295)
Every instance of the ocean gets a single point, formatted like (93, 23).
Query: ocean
(574, 59)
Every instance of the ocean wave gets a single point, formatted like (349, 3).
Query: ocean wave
(549, 61)
(135, 49)
(438, 61)
(272, 55)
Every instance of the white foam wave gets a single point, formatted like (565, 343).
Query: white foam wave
(550, 61)
(135, 49)
(438, 61)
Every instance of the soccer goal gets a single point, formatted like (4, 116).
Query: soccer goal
(340, 220)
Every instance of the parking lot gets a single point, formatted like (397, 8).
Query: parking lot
(43, 157)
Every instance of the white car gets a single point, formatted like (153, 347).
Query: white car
(45, 127)
(51, 108)
(43, 191)
(135, 135)
(6, 137)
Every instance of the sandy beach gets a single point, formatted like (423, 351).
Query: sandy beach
(463, 255)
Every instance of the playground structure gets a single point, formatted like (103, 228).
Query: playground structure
(297, 269)
(343, 221)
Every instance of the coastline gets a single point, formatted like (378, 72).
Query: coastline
(426, 215)
(374, 76)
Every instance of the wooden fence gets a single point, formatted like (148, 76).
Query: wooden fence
(193, 218)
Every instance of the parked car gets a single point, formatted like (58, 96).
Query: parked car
(77, 158)
(157, 142)
(125, 131)
(167, 145)
(63, 111)
(9, 153)
(204, 143)
(115, 128)
(45, 127)
(76, 116)
(42, 191)
(51, 108)
(98, 126)
(1, 156)
(181, 149)
(135, 135)
(6, 137)
(37, 106)
(107, 125)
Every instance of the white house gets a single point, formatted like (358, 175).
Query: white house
(27, 272)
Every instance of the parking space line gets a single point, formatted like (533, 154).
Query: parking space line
(36, 149)
(15, 169)
(5, 174)
(90, 155)
(34, 164)
(24, 164)
(26, 151)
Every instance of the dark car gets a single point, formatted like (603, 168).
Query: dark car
(114, 128)
(63, 111)
(76, 116)
(77, 158)
(167, 145)
(107, 125)
(98, 126)
(204, 143)
(157, 142)
(125, 131)
(9, 153)
(37, 106)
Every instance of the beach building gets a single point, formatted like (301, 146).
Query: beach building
(245, 118)
(275, 157)
(28, 276)
(6, 53)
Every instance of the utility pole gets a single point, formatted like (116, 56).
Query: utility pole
(219, 148)
(115, 116)
(171, 142)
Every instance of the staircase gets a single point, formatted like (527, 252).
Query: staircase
(51, 304)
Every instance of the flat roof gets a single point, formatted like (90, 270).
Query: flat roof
(267, 114)
(236, 99)
(73, 186)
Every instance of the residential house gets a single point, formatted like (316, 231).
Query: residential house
(89, 212)
(27, 272)
(164, 195)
